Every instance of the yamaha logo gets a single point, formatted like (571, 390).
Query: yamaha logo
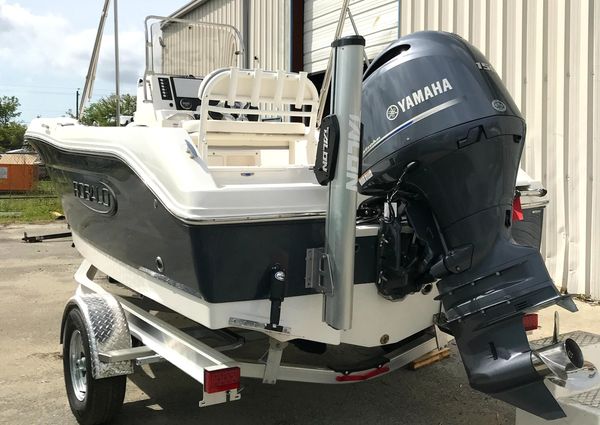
(417, 97)
(392, 112)
(498, 105)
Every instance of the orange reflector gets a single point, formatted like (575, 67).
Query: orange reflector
(221, 380)
(530, 322)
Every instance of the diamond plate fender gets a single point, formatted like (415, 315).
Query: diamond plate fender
(107, 327)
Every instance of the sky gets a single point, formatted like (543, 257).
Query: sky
(46, 45)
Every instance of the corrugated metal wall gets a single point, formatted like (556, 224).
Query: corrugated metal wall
(221, 11)
(376, 20)
(197, 50)
(548, 54)
(268, 37)
(270, 34)
(206, 48)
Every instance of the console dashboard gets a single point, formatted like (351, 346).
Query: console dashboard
(176, 92)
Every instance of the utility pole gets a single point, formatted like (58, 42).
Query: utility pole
(77, 104)
(117, 92)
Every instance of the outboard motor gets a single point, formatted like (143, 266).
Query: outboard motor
(441, 145)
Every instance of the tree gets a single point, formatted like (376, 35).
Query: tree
(103, 111)
(9, 106)
(11, 131)
(11, 136)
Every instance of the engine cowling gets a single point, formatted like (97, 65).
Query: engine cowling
(443, 139)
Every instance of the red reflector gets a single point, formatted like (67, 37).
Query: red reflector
(530, 322)
(517, 210)
(221, 380)
(362, 376)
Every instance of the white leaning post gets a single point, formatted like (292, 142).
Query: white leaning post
(270, 92)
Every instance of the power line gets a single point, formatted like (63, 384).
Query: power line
(45, 86)
(40, 109)
(69, 92)
(60, 93)
(49, 92)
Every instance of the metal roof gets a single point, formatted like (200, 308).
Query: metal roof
(19, 158)
(187, 8)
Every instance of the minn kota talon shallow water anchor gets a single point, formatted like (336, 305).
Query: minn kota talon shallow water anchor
(330, 270)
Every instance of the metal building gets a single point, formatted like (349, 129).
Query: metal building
(261, 23)
(546, 51)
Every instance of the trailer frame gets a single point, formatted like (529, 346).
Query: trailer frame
(161, 341)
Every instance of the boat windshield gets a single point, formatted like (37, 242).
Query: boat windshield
(185, 47)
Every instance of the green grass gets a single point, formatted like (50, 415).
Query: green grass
(30, 210)
(44, 187)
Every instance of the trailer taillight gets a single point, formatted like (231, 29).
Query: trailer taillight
(221, 380)
(530, 322)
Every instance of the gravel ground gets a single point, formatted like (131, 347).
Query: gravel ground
(36, 280)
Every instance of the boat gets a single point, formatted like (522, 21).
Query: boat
(224, 202)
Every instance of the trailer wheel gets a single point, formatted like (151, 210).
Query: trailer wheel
(92, 401)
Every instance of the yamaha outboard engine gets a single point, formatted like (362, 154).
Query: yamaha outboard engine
(441, 145)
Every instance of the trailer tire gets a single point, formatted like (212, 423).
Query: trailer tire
(92, 401)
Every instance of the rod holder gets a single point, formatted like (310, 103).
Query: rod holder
(340, 228)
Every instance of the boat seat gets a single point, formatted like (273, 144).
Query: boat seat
(238, 127)
(277, 95)
(291, 128)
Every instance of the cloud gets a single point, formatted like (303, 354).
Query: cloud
(5, 24)
(131, 57)
(43, 45)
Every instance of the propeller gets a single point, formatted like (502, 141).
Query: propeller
(579, 379)
(563, 364)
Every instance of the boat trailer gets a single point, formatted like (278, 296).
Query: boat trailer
(111, 321)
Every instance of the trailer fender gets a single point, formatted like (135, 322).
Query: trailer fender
(107, 327)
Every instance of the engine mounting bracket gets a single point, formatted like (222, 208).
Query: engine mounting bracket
(319, 275)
